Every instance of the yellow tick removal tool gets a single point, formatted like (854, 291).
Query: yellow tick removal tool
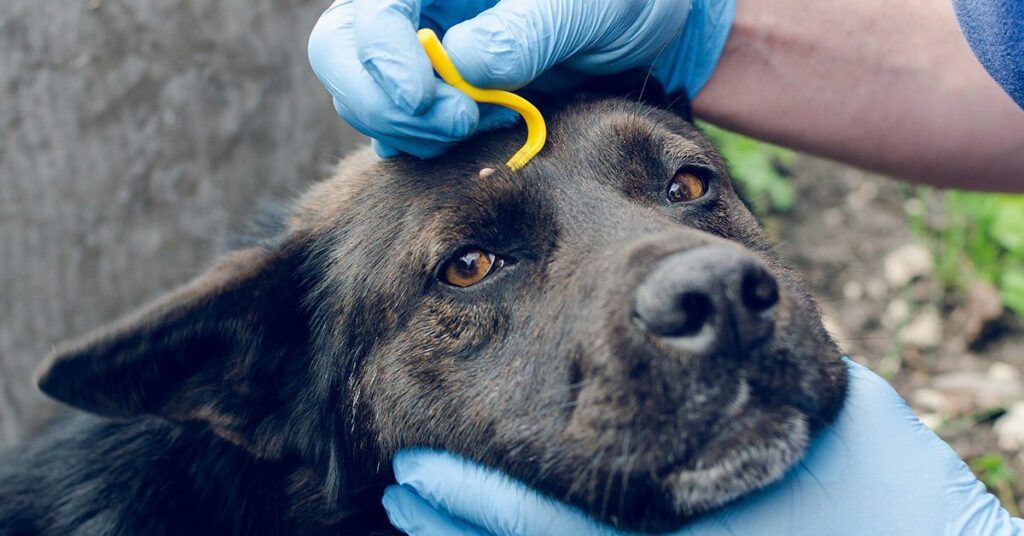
(536, 131)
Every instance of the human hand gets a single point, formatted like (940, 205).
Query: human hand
(877, 469)
(365, 52)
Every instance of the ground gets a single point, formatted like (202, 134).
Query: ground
(842, 230)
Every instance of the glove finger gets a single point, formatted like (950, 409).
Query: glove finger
(688, 62)
(384, 150)
(962, 504)
(409, 513)
(387, 46)
(641, 35)
(452, 118)
(361, 102)
(330, 48)
(492, 117)
(388, 146)
(512, 43)
(487, 498)
(876, 470)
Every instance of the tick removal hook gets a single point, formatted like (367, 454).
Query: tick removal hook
(536, 130)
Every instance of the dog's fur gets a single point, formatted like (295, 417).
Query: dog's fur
(269, 394)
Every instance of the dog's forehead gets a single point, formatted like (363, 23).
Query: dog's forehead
(618, 125)
(588, 142)
(321, 204)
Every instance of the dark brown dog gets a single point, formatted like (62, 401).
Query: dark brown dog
(608, 325)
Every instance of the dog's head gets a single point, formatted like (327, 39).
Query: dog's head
(608, 324)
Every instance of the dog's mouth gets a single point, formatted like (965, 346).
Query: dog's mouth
(662, 489)
(754, 449)
(687, 467)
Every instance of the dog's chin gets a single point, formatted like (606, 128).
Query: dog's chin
(755, 449)
(749, 450)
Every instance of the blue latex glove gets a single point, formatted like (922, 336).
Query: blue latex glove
(366, 54)
(877, 470)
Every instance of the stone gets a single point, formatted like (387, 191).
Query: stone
(976, 319)
(834, 329)
(861, 196)
(876, 288)
(932, 420)
(944, 404)
(978, 390)
(1009, 428)
(904, 264)
(832, 217)
(923, 331)
(853, 290)
(914, 207)
(1001, 371)
(895, 314)
(929, 399)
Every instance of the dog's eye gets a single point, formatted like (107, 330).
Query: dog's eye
(686, 186)
(469, 267)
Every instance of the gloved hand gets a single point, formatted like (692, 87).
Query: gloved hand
(366, 54)
(877, 470)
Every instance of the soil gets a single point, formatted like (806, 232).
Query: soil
(842, 226)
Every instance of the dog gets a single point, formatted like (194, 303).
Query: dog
(608, 325)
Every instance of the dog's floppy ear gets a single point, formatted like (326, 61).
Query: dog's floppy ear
(216, 350)
(641, 86)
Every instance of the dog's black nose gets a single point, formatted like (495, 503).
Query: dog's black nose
(708, 299)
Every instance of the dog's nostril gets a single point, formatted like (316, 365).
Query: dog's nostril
(759, 290)
(682, 315)
(708, 300)
(694, 310)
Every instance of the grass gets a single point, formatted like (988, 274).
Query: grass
(972, 236)
(995, 472)
(975, 236)
(761, 169)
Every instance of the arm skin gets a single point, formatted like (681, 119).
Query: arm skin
(888, 86)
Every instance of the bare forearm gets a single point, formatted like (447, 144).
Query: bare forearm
(889, 86)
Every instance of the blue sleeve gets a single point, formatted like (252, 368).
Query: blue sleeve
(995, 31)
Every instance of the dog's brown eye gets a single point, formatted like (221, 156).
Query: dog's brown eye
(685, 186)
(469, 267)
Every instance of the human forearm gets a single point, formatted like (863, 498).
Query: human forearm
(887, 86)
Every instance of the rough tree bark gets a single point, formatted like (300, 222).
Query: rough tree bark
(134, 137)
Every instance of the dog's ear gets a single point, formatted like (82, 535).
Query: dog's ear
(216, 350)
(643, 87)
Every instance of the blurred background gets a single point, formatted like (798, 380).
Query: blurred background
(136, 137)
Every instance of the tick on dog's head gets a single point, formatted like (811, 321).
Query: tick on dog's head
(608, 324)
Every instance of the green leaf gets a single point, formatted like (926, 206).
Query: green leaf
(756, 166)
(992, 469)
(1011, 288)
(1008, 225)
(980, 236)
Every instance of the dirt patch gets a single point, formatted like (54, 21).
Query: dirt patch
(844, 226)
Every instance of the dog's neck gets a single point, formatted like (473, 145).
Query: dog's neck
(193, 473)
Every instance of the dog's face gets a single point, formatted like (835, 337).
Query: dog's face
(608, 324)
